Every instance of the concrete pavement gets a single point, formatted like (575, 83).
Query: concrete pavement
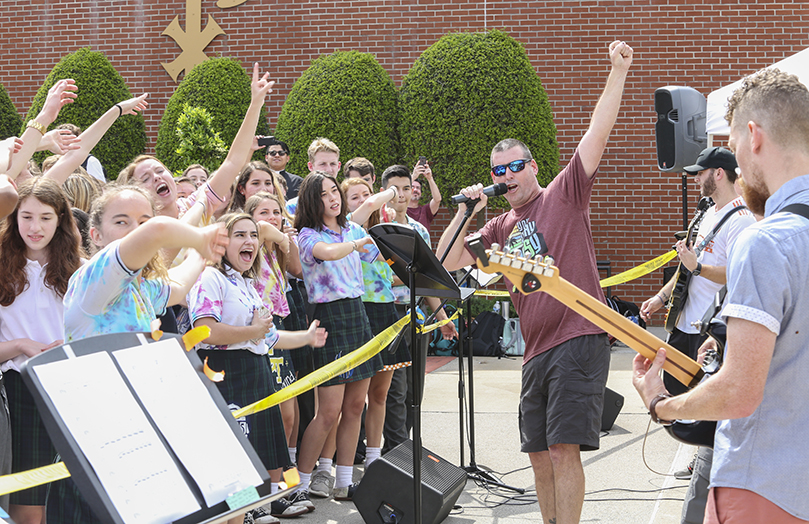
(628, 480)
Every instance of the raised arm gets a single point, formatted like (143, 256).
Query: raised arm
(90, 138)
(424, 169)
(138, 247)
(594, 141)
(8, 197)
(243, 144)
(62, 93)
(376, 201)
(458, 256)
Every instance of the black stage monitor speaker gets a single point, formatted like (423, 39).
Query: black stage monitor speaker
(613, 402)
(385, 494)
(680, 127)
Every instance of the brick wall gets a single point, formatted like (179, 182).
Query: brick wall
(635, 207)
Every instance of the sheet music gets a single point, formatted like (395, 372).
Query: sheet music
(186, 415)
(131, 462)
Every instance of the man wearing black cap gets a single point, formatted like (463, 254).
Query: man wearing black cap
(715, 174)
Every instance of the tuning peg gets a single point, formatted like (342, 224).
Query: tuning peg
(495, 247)
(549, 260)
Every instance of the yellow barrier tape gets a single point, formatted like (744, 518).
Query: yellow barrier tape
(639, 271)
(491, 293)
(32, 478)
(440, 323)
(329, 371)
(36, 477)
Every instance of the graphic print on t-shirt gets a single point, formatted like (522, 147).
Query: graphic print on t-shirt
(525, 238)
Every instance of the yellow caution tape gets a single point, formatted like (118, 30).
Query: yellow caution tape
(32, 478)
(329, 371)
(639, 271)
(491, 293)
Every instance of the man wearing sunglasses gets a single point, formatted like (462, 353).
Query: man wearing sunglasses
(566, 357)
(277, 158)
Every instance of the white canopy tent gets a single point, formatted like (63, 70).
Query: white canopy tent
(797, 64)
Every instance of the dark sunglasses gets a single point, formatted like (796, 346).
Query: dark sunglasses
(276, 153)
(516, 167)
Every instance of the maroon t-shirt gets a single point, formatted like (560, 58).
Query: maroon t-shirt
(556, 223)
(422, 214)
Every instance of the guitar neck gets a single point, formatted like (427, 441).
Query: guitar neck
(679, 365)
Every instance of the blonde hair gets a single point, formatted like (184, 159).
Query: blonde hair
(321, 144)
(81, 189)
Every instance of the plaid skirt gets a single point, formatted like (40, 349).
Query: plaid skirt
(381, 316)
(297, 321)
(31, 446)
(348, 328)
(66, 505)
(248, 379)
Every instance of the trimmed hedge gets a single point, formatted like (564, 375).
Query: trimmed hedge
(10, 121)
(100, 87)
(200, 143)
(464, 94)
(222, 87)
(348, 98)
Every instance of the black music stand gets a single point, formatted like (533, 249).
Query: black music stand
(413, 262)
(81, 468)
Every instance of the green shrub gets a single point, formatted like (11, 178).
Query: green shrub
(100, 87)
(464, 94)
(348, 98)
(199, 143)
(10, 121)
(221, 86)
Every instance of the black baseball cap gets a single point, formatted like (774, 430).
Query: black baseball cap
(711, 158)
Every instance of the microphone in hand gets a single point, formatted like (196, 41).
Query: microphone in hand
(490, 191)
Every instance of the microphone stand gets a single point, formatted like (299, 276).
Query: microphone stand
(465, 345)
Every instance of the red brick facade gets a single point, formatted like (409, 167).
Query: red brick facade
(635, 207)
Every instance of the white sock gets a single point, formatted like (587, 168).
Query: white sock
(371, 454)
(293, 453)
(273, 488)
(305, 479)
(344, 476)
(324, 464)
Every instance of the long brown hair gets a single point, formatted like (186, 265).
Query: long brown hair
(310, 202)
(156, 268)
(250, 207)
(64, 249)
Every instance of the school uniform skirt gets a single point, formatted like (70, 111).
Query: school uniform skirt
(296, 321)
(281, 365)
(31, 446)
(248, 379)
(348, 328)
(382, 315)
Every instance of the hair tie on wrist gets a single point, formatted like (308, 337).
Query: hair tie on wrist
(120, 110)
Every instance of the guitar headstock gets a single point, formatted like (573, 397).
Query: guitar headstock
(528, 274)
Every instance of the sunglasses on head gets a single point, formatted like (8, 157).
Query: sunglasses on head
(276, 153)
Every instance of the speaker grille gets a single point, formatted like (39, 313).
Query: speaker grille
(435, 471)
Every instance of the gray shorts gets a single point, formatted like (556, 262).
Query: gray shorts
(562, 396)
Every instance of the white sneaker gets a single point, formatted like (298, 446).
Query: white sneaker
(321, 484)
(261, 515)
(301, 498)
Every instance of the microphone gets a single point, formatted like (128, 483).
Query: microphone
(489, 191)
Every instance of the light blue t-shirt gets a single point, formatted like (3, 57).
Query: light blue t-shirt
(768, 275)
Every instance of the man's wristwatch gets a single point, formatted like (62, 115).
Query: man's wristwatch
(697, 270)
(653, 412)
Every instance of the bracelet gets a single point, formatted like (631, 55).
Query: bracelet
(353, 244)
(120, 110)
(36, 125)
(662, 300)
(653, 412)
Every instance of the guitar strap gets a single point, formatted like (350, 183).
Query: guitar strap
(798, 209)
(715, 230)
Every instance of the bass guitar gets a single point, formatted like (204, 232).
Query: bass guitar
(680, 291)
(531, 275)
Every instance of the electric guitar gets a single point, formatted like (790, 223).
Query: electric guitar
(530, 275)
(680, 291)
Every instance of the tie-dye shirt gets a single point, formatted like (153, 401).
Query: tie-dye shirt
(269, 284)
(402, 293)
(229, 299)
(378, 279)
(104, 296)
(330, 280)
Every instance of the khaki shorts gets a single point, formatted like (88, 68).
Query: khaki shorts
(562, 396)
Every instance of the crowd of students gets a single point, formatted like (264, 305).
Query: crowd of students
(282, 292)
